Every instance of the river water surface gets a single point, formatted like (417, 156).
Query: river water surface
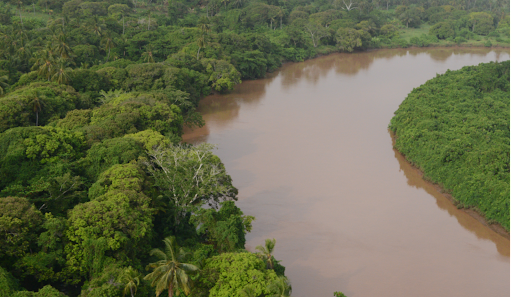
(309, 150)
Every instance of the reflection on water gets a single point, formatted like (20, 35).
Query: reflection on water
(414, 179)
(309, 150)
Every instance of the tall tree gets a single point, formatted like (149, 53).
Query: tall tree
(19, 3)
(169, 273)
(190, 176)
(62, 46)
(148, 54)
(108, 44)
(37, 103)
(45, 62)
(316, 32)
(62, 70)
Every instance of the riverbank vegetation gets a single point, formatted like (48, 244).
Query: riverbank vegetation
(456, 129)
(94, 96)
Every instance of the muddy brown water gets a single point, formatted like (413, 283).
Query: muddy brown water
(309, 150)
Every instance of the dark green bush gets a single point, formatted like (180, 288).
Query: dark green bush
(456, 129)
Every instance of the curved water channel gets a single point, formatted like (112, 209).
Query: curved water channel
(309, 150)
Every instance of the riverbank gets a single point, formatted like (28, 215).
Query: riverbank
(462, 141)
(333, 190)
(472, 211)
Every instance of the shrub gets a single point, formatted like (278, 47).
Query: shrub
(459, 40)
(442, 30)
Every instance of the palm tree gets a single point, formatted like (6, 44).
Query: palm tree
(267, 251)
(62, 47)
(3, 84)
(130, 278)
(204, 27)
(225, 3)
(37, 105)
(45, 63)
(148, 54)
(108, 44)
(281, 287)
(95, 26)
(169, 273)
(62, 70)
(19, 3)
(201, 42)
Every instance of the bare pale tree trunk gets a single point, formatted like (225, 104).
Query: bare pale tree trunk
(21, 19)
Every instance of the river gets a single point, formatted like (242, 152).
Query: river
(309, 150)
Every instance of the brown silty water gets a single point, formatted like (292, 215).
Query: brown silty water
(309, 150)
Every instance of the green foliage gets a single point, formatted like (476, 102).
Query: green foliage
(85, 80)
(150, 139)
(153, 76)
(114, 225)
(281, 287)
(349, 39)
(45, 264)
(129, 113)
(19, 224)
(339, 294)
(118, 178)
(8, 284)
(221, 75)
(190, 177)
(226, 228)
(46, 291)
(237, 270)
(105, 283)
(135, 76)
(481, 23)
(442, 30)
(21, 107)
(37, 162)
(105, 154)
(425, 40)
(170, 272)
(455, 128)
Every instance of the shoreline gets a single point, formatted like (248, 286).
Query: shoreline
(318, 55)
(472, 211)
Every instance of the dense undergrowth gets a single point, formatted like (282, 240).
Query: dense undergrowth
(456, 129)
(94, 96)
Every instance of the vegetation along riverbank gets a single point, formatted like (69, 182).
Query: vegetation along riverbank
(98, 197)
(455, 128)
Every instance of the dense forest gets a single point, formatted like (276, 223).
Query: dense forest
(98, 194)
(456, 129)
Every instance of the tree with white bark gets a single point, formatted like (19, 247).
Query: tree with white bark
(190, 177)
